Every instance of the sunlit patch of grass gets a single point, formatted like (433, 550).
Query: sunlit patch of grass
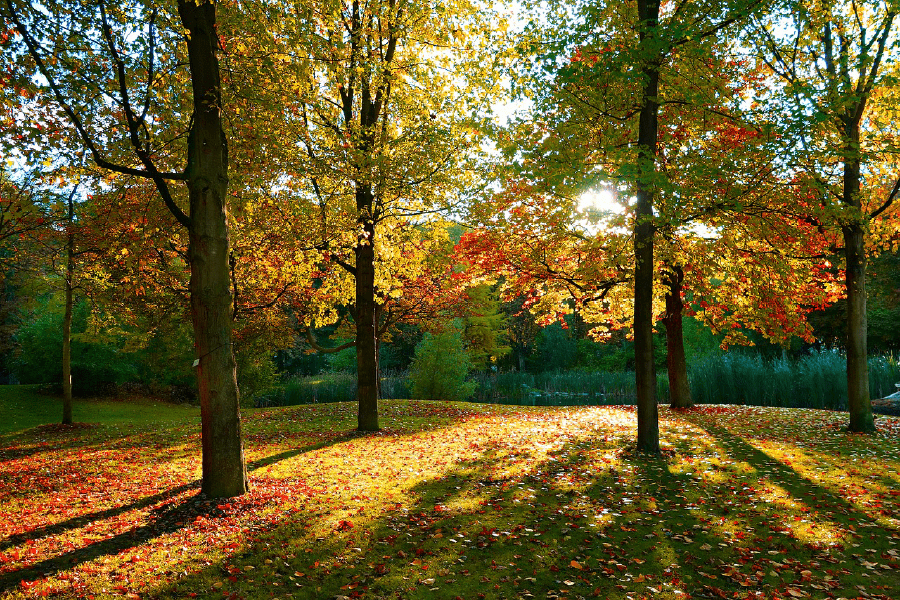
(461, 500)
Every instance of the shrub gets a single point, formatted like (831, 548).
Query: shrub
(97, 367)
(440, 367)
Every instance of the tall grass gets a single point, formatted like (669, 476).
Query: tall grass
(884, 374)
(816, 380)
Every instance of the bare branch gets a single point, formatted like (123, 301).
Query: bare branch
(890, 199)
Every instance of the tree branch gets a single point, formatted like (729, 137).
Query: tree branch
(311, 338)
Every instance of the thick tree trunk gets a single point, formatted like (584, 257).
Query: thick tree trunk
(224, 470)
(859, 402)
(645, 371)
(679, 389)
(67, 323)
(366, 327)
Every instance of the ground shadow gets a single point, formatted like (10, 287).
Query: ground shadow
(800, 487)
(166, 519)
(538, 535)
(559, 530)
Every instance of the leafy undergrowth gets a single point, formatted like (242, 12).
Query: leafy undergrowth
(459, 501)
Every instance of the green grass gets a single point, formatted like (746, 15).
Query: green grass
(457, 500)
(24, 407)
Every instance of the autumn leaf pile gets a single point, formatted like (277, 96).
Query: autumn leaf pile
(458, 500)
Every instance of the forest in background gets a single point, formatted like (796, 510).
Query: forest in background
(497, 337)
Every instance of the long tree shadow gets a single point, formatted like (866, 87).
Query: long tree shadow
(55, 437)
(444, 416)
(568, 526)
(166, 519)
(817, 502)
(564, 528)
(800, 487)
(82, 520)
(626, 523)
(402, 535)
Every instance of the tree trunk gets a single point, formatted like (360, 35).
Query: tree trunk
(645, 372)
(858, 400)
(679, 389)
(860, 404)
(224, 470)
(67, 320)
(366, 327)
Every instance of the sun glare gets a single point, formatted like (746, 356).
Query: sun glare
(603, 200)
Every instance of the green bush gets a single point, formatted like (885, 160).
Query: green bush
(167, 359)
(342, 361)
(440, 367)
(256, 373)
(557, 348)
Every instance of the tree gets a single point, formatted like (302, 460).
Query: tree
(715, 168)
(69, 282)
(833, 61)
(424, 289)
(625, 63)
(21, 218)
(742, 262)
(44, 223)
(88, 78)
(377, 135)
(676, 361)
(484, 327)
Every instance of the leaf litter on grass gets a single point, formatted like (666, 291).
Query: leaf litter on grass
(461, 501)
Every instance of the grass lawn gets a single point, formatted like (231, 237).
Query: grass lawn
(449, 501)
(22, 407)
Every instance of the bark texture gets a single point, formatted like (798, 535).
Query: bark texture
(676, 362)
(648, 128)
(224, 469)
(858, 400)
(366, 308)
(67, 322)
